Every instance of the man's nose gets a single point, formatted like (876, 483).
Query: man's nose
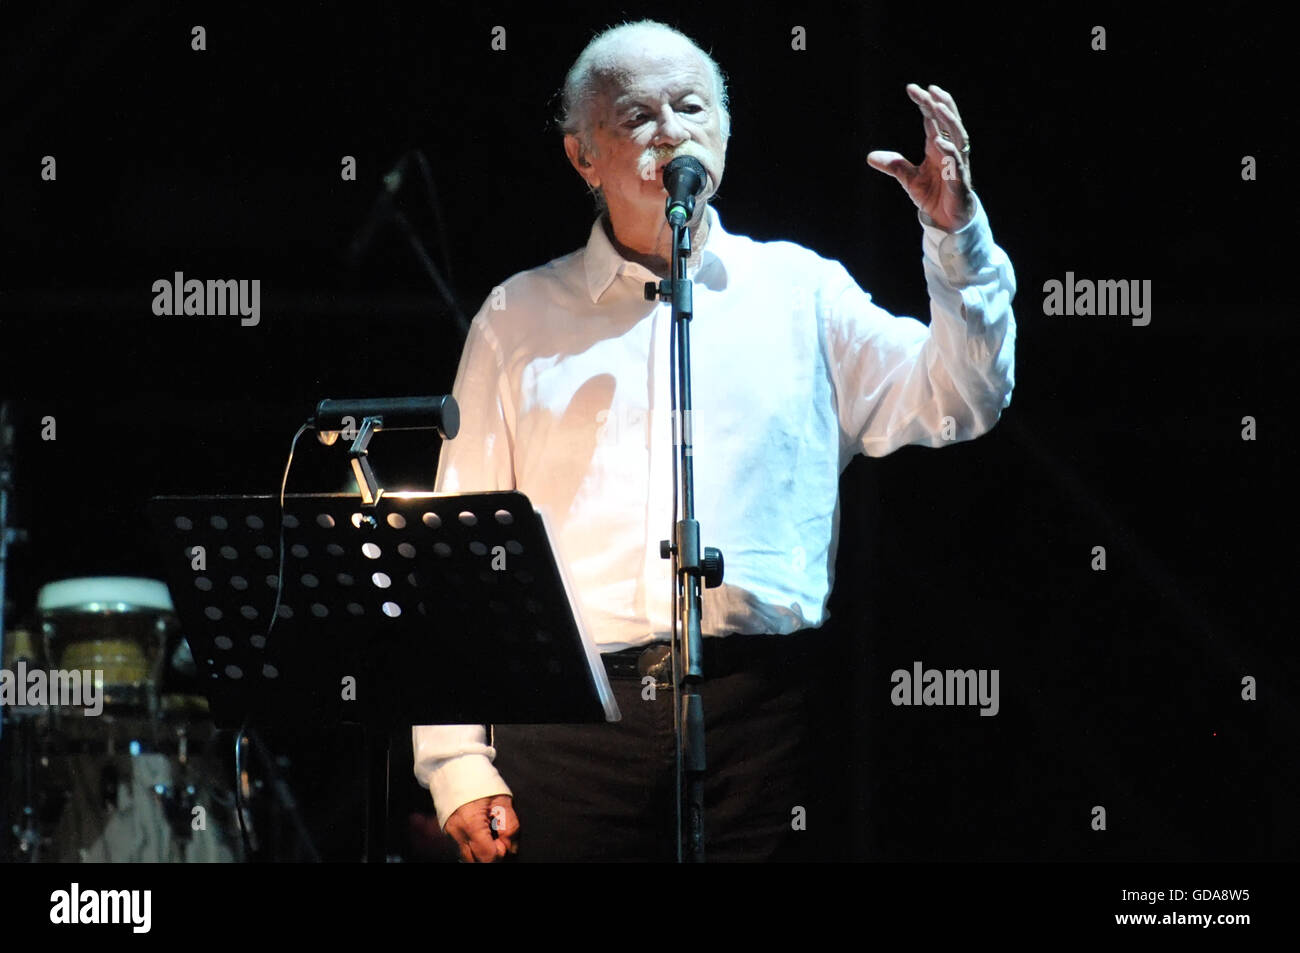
(672, 130)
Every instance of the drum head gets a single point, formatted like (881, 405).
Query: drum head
(104, 594)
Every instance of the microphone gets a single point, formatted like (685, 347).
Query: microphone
(684, 179)
(398, 413)
(380, 211)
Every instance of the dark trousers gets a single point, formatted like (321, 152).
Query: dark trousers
(775, 745)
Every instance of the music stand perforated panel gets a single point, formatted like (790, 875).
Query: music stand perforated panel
(442, 608)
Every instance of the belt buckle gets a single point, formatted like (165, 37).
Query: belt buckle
(657, 661)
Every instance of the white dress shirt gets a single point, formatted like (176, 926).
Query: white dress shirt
(563, 388)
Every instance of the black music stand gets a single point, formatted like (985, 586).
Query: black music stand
(425, 608)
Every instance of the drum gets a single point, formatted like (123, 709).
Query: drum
(117, 627)
(135, 788)
(142, 779)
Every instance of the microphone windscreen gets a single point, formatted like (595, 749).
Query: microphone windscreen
(684, 171)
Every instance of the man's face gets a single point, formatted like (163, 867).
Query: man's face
(658, 105)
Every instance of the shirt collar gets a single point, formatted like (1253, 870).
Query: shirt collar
(604, 263)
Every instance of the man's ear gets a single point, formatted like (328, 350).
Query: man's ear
(578, 158)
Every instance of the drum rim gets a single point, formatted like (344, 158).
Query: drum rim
(101, 608)
(93, 595)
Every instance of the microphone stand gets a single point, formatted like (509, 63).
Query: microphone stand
(690, 563)
(8, 534)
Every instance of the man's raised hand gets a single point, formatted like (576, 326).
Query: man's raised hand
(941, 185)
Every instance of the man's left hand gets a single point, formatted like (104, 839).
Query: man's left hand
(940, 186)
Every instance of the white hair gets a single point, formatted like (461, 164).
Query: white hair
(591, 72)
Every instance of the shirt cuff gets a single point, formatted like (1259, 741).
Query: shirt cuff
(963, 254)
(462, 779)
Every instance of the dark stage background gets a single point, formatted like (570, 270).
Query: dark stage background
(1119, 688)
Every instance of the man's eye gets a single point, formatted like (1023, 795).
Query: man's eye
(641, 117)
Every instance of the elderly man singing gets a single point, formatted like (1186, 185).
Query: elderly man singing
(564, 395)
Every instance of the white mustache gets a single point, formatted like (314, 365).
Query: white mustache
(648, 165)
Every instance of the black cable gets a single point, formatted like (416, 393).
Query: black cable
(270, 626)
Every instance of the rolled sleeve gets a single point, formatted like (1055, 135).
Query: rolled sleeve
(455, 763)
